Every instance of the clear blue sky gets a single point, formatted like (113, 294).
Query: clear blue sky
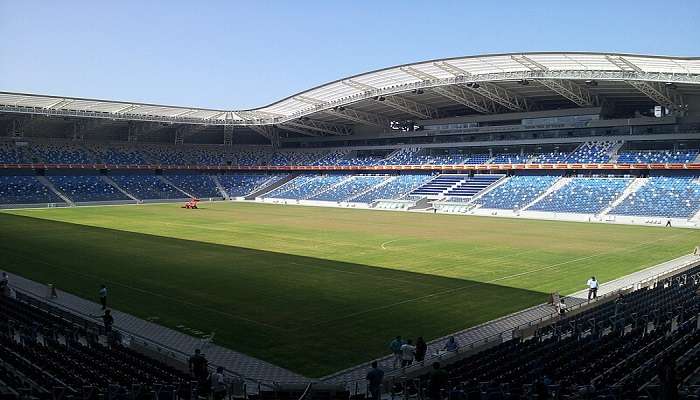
(240, 54)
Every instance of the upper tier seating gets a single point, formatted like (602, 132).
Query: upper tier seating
(591, 152)
(196, 185)
(583, 195)
(239, 185)
(476, 159)
(349, 188)
(295, 158)
(654, 157)
(668, 197)
(147, 187)
(396, 188)
(9, 154)
(506, 158)
(516, 192)
(25, 190)
(555, 157)
(51, 153)
(86, 188)
(119, 155)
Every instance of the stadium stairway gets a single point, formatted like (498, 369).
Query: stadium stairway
(556, 186)
(269, 186)
(55, 190)
(636, 184)
(440, 185)
(168, 182)
(109, 181)
(472, 186)
(219, 187)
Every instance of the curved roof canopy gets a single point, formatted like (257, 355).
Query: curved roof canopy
(479, 83)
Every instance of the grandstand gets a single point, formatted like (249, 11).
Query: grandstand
(302, 294)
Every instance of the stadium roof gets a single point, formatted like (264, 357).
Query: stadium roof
(424, 90)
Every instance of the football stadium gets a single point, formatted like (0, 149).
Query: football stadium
(518, 225)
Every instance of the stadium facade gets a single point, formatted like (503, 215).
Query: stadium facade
(582, 136)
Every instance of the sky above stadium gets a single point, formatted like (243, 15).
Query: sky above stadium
(246, 54)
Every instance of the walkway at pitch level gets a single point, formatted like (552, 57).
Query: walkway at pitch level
(184, 344)
(504, 326)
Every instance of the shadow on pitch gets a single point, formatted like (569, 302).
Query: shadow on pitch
(307, 314)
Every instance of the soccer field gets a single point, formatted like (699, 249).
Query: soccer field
(320, 289)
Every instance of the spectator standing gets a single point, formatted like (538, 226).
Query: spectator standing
(395, 347)
(451, 344)
(408, 351)
(592, 288)
(375, 376)
(199, 367)
(437, 382)
(218, 384)
(421, 349)
(103, 296)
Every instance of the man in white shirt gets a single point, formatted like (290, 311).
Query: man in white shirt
(408, 351)
(592, 288)
(562, 307)
(218, 383)
(103, 296)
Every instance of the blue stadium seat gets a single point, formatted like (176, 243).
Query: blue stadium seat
(25, 190)
(83, 188)
(516, 192)
(668, 197)
(583, 195)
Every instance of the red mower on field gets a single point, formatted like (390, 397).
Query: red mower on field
(192, 204)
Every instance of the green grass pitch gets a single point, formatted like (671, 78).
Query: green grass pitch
(314, 289)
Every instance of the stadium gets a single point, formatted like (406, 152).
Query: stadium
(454, 200)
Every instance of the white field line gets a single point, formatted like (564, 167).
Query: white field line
(452, 290)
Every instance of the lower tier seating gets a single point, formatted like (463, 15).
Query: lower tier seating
(195, 185)
(239, 185)
(583, 195)
(86, 188)
(25, 190)
(668, 197)
(147, 187)
(516, 192)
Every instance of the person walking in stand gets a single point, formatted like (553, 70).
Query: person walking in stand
(395, 347)
(408, 351)
(218, 384)
(421, 349)
(592, 288)
(375, 376)
(103, 296)
(199, 368)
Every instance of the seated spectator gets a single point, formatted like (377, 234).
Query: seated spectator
(451, 344)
